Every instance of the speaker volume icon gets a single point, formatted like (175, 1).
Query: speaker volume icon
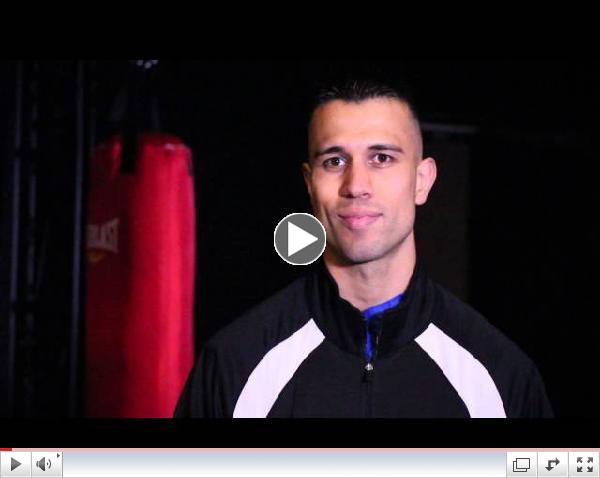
(43, 464)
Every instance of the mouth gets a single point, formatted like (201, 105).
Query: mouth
(358, 221)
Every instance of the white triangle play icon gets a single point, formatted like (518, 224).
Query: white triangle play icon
(298, 239)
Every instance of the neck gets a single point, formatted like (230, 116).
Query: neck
(372, 283)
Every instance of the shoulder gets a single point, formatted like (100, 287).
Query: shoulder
(265, 325)
(481, 344)
(471, 330)
(229, 357)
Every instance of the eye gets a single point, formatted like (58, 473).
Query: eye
(334, 163)
(381, 159)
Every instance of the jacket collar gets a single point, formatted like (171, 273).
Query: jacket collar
(344, 324)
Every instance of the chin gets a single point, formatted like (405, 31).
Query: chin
(360, 255)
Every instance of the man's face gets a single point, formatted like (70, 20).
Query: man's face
(365, 176)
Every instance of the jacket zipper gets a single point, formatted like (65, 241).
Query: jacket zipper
(368, 373)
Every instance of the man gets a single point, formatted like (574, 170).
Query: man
(365, 333)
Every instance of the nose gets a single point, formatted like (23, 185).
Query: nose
(356, 182)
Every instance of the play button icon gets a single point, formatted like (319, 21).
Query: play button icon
(299, 239)
(15, 464)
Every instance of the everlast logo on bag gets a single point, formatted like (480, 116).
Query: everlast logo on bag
(102, 238)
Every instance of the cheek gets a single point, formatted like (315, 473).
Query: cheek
(396, 192)
(324, 194)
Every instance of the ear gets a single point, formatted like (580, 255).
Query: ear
(307, 171)
(426, 174)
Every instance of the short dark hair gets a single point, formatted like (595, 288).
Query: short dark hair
(357, 90)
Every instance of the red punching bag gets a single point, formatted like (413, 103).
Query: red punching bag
(139, 278)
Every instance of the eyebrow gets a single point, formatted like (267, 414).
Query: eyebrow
(374, 147)
(386, 147)
(330, 150)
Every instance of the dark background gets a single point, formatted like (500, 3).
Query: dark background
(511, 226)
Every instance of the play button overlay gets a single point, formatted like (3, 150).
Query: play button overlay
(299, 239)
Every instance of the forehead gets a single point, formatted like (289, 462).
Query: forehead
(374, 120)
